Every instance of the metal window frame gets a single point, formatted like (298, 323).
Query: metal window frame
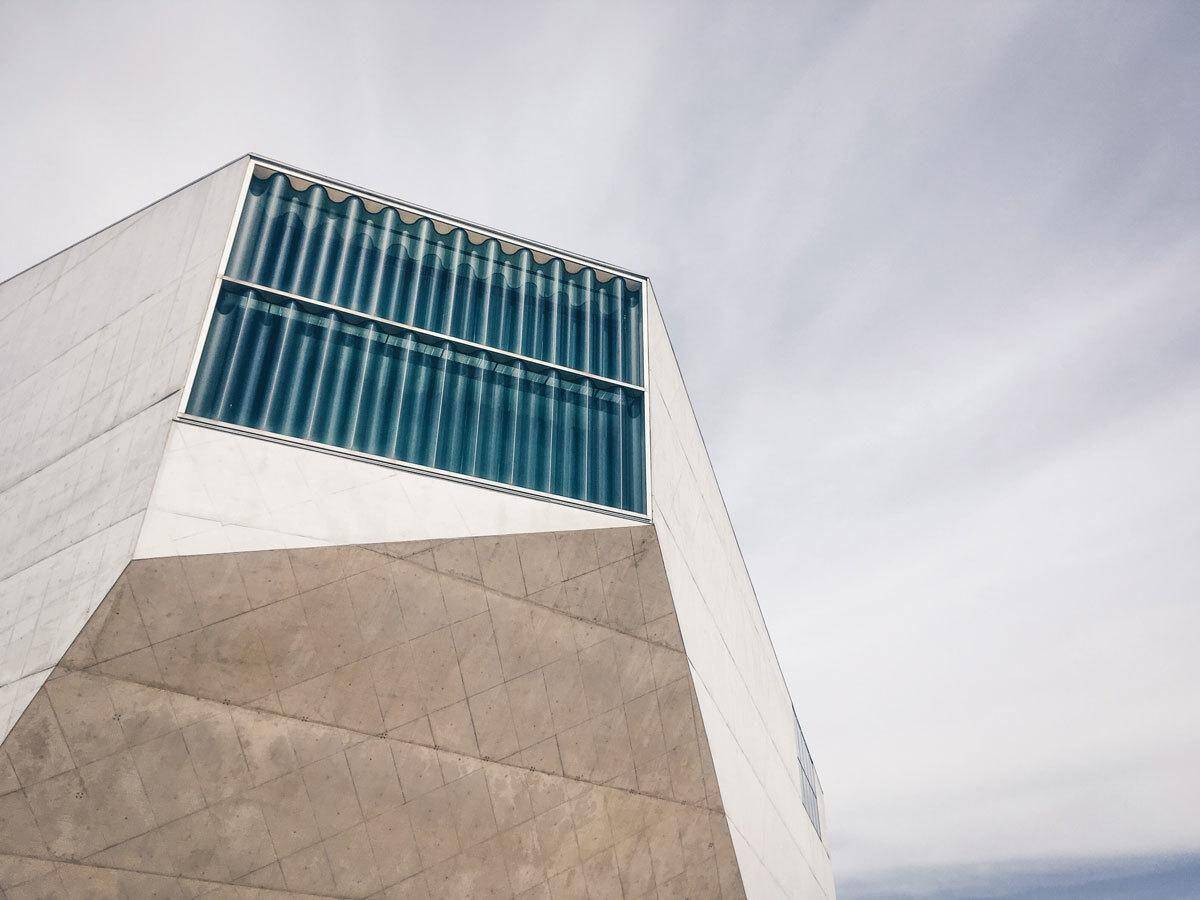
(254, 162)
(814, 783)
(322, 306)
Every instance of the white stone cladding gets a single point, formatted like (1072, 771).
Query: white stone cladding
(221, 492)
(96, 470)
(744, 698)
(95, 344)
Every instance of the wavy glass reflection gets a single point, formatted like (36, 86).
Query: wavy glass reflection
(401, 267)
(331, 377)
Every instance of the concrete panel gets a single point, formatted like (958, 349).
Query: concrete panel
(95, 344)
(221, 492)
(744, 699)
(372, 721)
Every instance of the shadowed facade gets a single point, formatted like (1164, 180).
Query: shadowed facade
(498, 716)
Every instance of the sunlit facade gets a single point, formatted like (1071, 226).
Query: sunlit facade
(357, 550)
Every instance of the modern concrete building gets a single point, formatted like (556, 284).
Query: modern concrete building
(352, 550)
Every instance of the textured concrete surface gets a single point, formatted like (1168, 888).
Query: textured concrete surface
(498, 716)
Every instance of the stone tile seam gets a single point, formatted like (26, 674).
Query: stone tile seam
(741, 676)
(108, 867)
(426, 545)
(16, 484)
(241, 749)
(27, 565)
(366, 735)
(136, 771)
(84, 402)
(176, 281)
(754, 611)
(41, 605)
(357, 801)
(323, 840)
(220, 522)
(126, 220)
(526, 599)
(378, 549)
(91, 534)
(35, 672)
(41, 601)
(428, 548)
(767, 868)
(353, 782)
(470, 717)
(4, 488)
(423, 546)
(76, 768)
(246, 706)
(127, 223)
(697, 675)
(770, 800)
(712, 519)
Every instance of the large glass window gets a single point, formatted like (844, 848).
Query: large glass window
(408, 269)
(361, 327)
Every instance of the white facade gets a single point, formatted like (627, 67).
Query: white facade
(98, 470)
(745, 702)
(95, 345)
(221, 492)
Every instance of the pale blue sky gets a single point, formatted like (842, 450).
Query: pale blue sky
(931, 270)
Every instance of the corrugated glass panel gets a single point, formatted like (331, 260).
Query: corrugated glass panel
(327, 376)
(402, 267)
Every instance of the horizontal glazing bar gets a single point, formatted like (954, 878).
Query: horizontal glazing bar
(309, 242)
(288, 440)
(432, 335)
(318, 373)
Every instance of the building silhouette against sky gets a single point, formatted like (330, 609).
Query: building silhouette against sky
(353, 550)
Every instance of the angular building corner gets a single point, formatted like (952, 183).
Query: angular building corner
(353, 550)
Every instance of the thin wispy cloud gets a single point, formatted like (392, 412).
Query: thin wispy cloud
(1134, 878)
(931, 273)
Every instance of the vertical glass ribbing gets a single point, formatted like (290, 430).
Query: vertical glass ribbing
(298, 370)
(407, 269)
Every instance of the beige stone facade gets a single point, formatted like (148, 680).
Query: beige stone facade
(487, 717)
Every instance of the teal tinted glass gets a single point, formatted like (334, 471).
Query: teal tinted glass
(300, 370)
(403, 268)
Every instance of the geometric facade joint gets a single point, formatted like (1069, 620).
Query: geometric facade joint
(498, 716)
(350, 549)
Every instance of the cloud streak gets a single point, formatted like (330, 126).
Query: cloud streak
(1137, 878)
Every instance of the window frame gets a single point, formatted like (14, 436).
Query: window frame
(815, 816)
(257, 164)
